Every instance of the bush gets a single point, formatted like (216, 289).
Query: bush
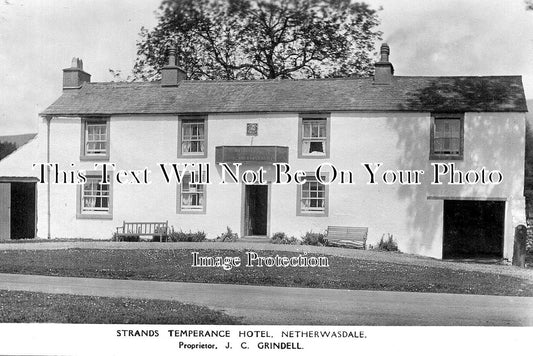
(127, 238)
(282, 239)
(227, 236)
(314, 238)
(182, 236)
(388, 243)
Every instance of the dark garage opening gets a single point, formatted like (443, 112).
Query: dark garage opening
(22, 210)
(473, 229)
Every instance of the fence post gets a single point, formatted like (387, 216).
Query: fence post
(519, 250)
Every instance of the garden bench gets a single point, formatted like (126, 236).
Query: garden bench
(347, 236)
(154, 229)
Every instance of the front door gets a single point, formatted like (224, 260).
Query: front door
(256, 210)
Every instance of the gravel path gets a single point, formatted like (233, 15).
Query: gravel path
(267, 305)
(391, 257)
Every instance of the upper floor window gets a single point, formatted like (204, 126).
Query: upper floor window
(312, 197)
(447, 137)
(191, 196)
(94, 198)
(313, 136)
(95, 139)
(192, 136)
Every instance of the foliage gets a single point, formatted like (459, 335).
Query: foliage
(387, 243)
(181, 236)
(118, 76)
(529, 4)
(314, 238)
(281, 238)
(227, 236)
(253, 39)
(126, 238)
(6, 148)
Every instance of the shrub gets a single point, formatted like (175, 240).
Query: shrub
(127, 238)
(227, 236)
(182, 236)
(314, 238)
(282, 239)
(388, 243)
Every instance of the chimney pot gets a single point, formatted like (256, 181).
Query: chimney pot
(77, 63)
(74, 77)
(171, 61)
(383, 70)
(385, 51)
(171, 74)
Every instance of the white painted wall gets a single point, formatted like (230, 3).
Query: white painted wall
(413, 214)
(20, 162)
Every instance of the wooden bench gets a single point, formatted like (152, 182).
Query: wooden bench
(347, 236)
(159, 229)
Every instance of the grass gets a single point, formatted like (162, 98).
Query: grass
(30, 307)
(33, 241)
(343, 273)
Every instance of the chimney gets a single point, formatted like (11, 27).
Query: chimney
(171, 74)
(74, 76)
(384, 69)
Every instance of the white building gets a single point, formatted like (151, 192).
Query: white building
(404, 123)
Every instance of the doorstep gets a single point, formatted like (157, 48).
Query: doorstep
(254, 238)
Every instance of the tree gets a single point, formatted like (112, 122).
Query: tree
(254, 39)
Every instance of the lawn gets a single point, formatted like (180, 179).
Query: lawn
(29, 307)
(343, 272)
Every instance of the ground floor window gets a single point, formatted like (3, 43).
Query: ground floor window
(312, 197)
(95, 198)
(191, 196)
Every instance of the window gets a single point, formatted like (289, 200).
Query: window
(313, 136)
(95, 139)
(192, 137)
(312, 197)
(447, 136)
(95, 198)
(191, 196)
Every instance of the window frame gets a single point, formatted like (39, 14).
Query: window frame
(314, 117)
(179, 191)
(310, 177)
(441, 156)
(84, 156)
(80, 214)
(190, 118)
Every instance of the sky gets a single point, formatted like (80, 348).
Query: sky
(38, 38)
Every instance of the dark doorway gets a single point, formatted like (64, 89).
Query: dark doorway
(473, 229)
(22, 210)
(256, 210)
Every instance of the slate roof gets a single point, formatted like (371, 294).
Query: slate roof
(426, 94)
